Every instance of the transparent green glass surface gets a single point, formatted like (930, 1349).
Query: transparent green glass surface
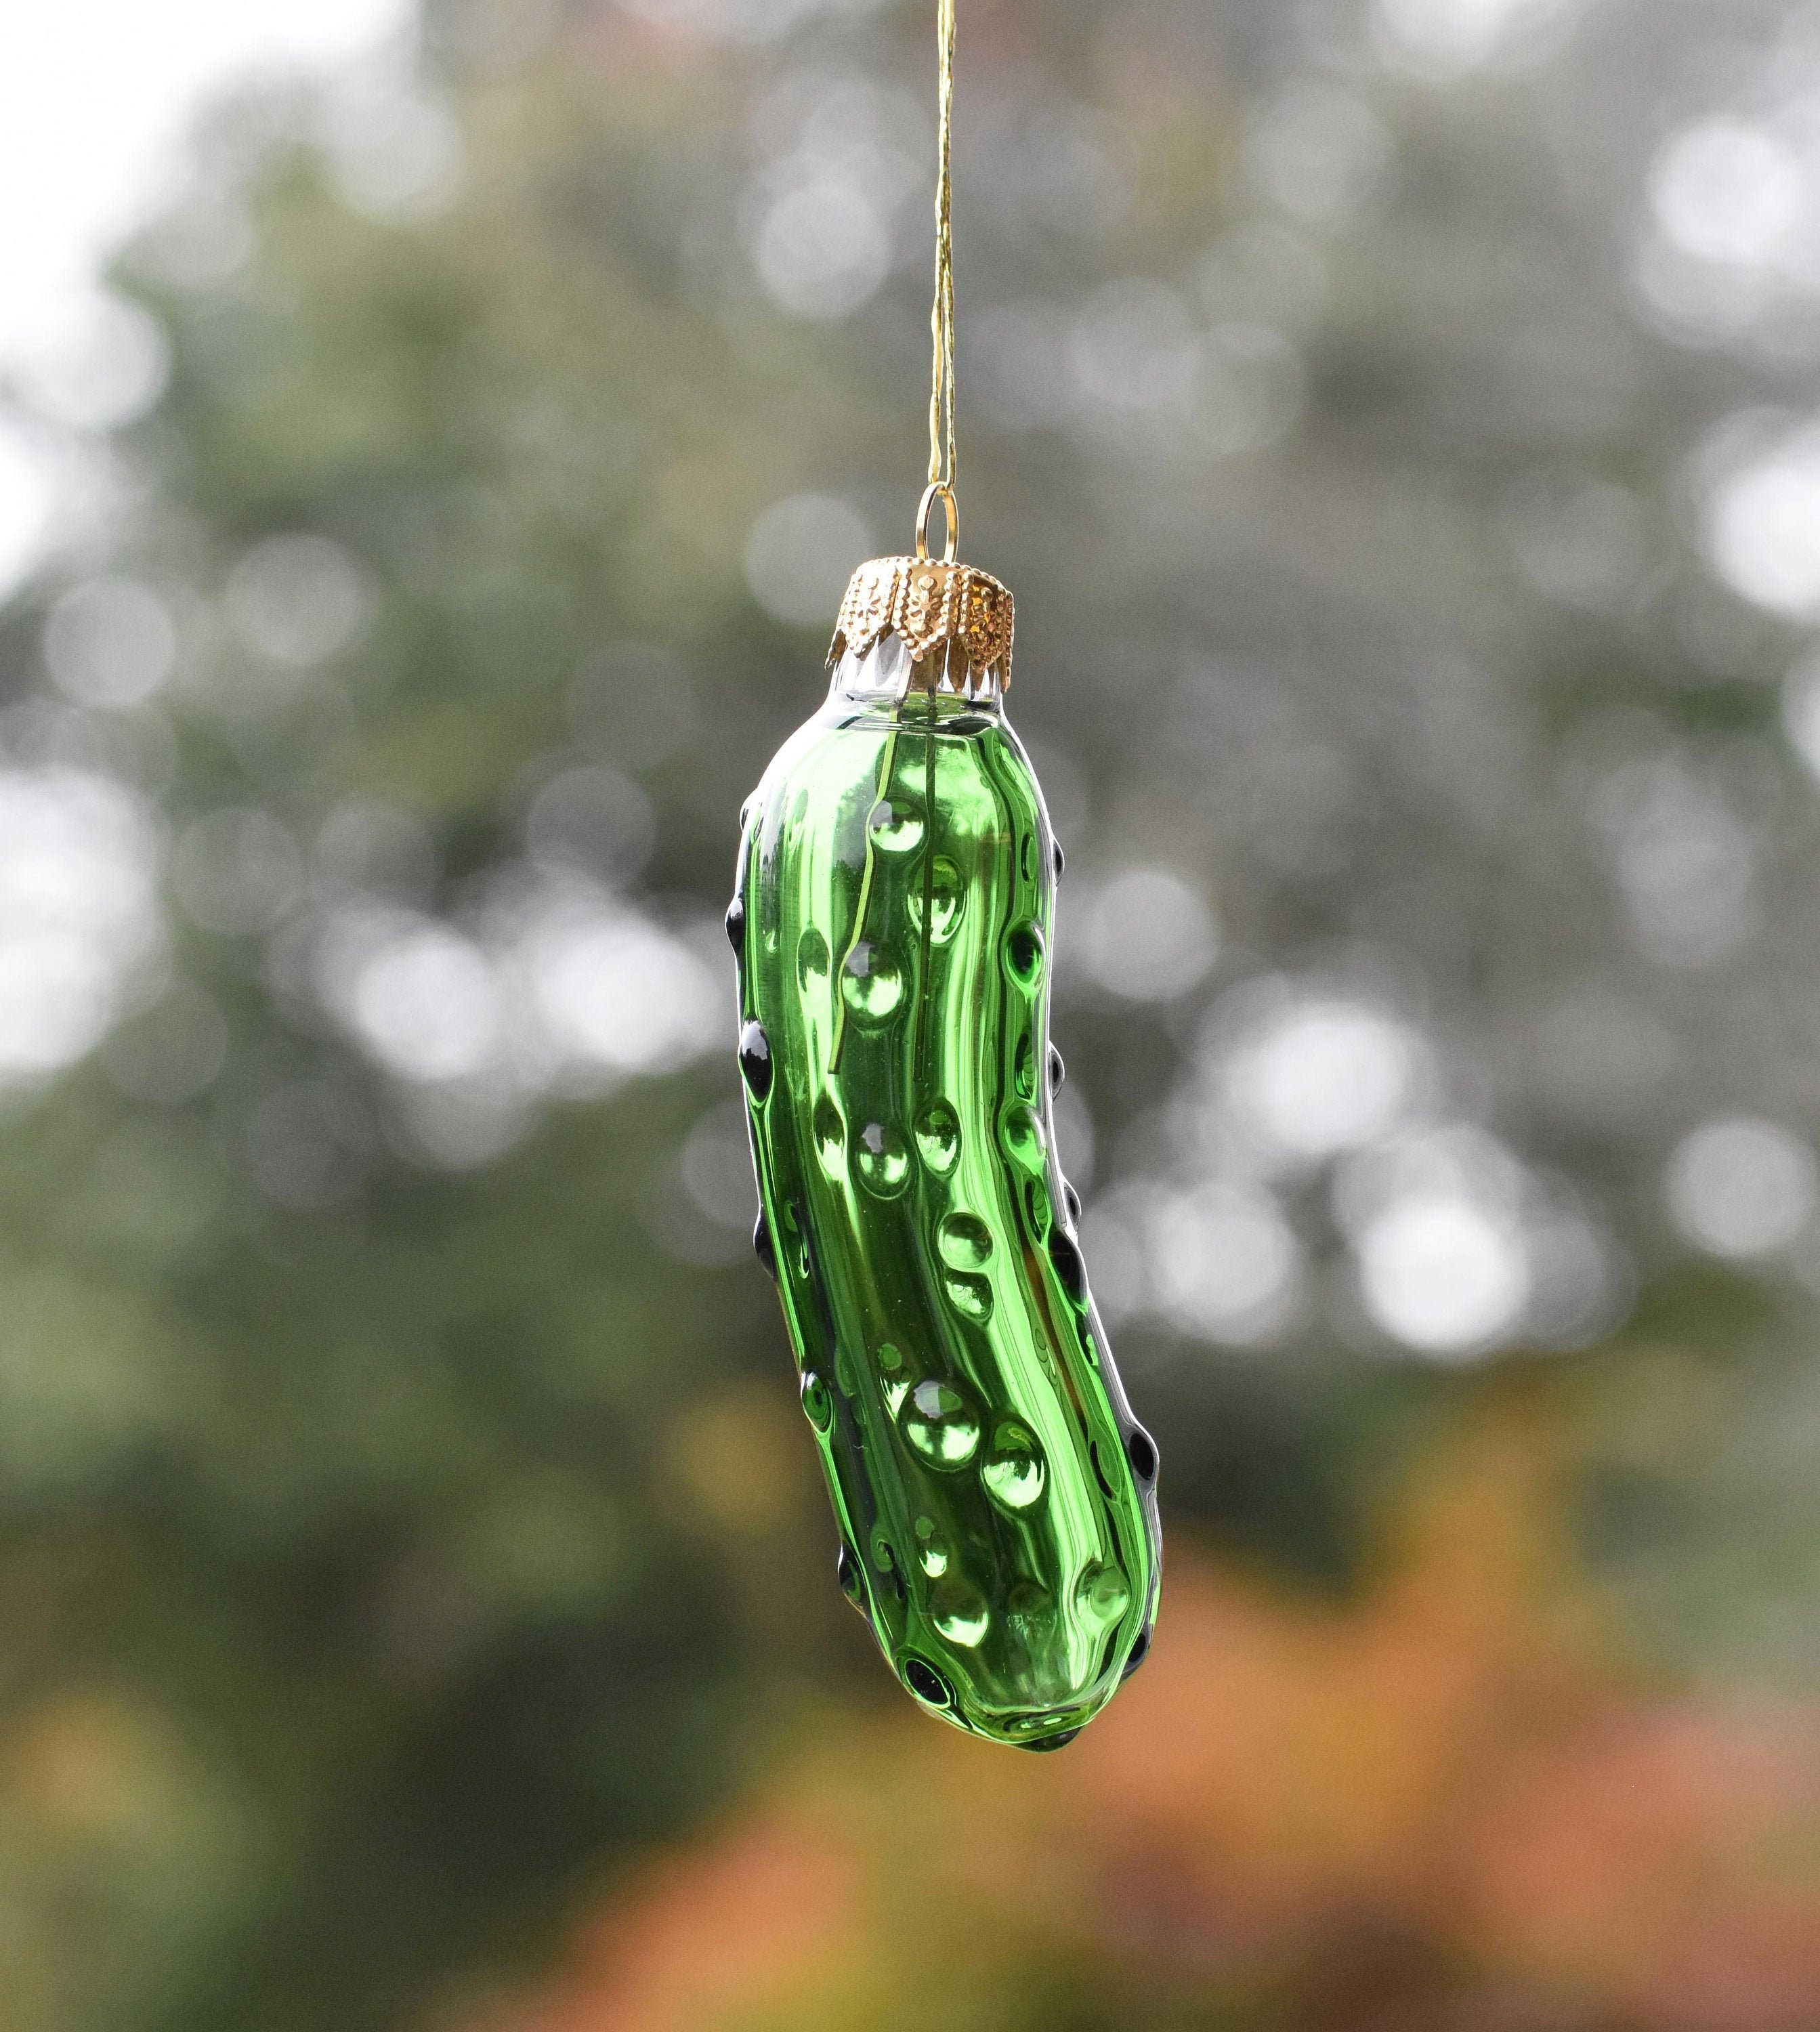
(994, 1494)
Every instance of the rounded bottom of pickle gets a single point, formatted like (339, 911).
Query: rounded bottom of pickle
(936, 1691)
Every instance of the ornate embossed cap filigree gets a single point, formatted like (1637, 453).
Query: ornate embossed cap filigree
(927, 602)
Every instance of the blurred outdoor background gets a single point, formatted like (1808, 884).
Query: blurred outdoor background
(429, 464)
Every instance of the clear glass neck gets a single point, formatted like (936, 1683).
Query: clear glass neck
(888, 675)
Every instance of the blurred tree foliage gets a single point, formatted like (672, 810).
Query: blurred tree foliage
(1435, 1804)
(400, 1524)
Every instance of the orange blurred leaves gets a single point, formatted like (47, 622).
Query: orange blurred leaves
(1444, 1806)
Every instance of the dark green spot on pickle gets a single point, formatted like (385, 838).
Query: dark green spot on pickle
(932, 1554)
(1024, 953)
(1022, 1136)
(1030, 1610)
(1037, 1208)
(938, 1133)
(871, 983)
(1141, 1450)
(926, 1683)
(959, 1613)
(894, 1378)
(852, 1582)
(965, 1241)
(969, 1294)
(1102, 1594)
(941, 1424)
(895, 826)
(829, 1137)
(1066, 1255)
(817, 1405)
(755, 1060)
(947, 900)
(881, 1158)
(1052, 1741)
(1024, 1068)
(1013, 1471)
(812, 960)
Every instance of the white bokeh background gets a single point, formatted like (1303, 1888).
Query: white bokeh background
(554, 983)
(1303, 1091)
(96, 100)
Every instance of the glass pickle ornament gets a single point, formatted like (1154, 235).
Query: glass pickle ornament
(995, 1495)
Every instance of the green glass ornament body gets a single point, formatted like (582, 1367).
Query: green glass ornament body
(995, 1495)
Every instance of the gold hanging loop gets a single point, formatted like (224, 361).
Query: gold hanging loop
(939, 490)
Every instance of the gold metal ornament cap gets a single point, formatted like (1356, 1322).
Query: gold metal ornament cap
(927, 601)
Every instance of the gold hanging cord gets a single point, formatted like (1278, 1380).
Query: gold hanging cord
(941, 485)
(932, 606)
